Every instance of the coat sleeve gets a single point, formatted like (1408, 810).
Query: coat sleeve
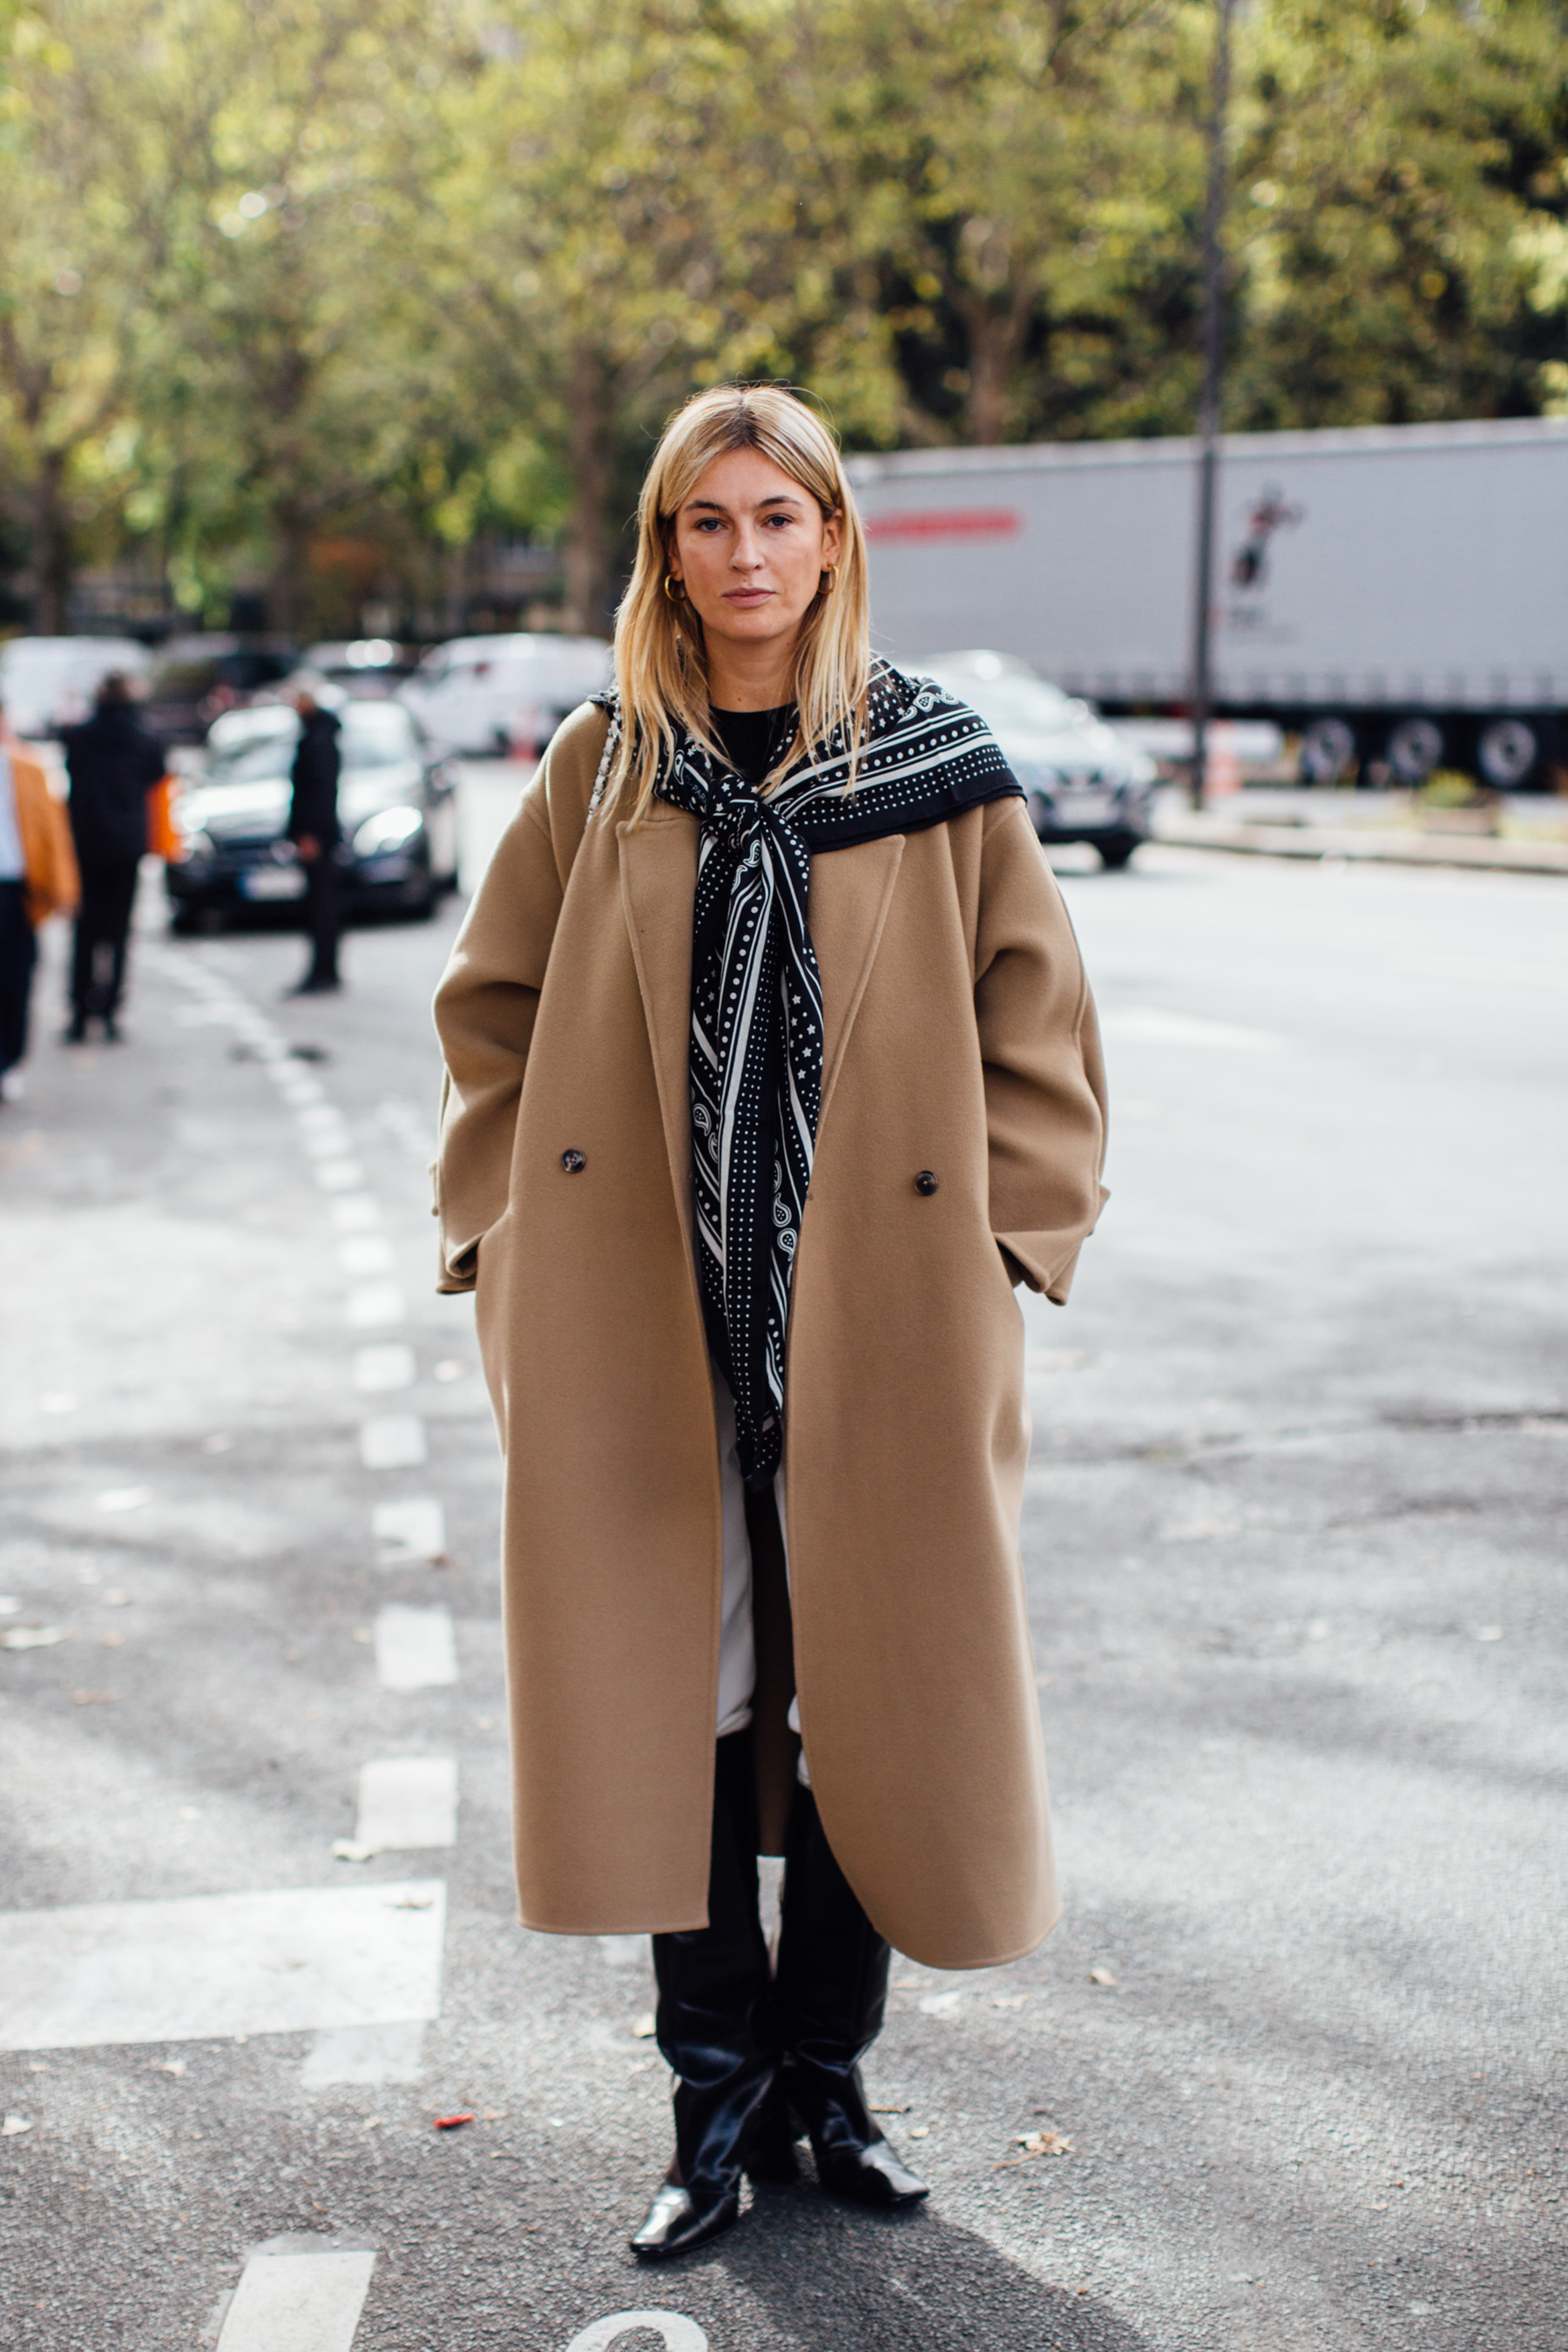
(489, 995)
(1039, 1044)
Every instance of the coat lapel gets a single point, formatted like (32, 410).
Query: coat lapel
(658, 884)
(851, 890)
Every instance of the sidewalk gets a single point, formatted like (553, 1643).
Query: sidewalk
(1375, 827)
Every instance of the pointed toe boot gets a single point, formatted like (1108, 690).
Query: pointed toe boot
(715, 2026)
(832, 1991)
(678, 2223)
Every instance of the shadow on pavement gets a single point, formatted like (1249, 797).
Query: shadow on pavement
(832, 2280)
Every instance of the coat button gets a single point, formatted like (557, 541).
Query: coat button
(573, 1163)
(926, 1181)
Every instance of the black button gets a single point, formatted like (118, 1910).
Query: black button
(573, 1163)
(926, 1181)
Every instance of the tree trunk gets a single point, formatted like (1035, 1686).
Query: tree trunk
(592, 461)
(51, 548)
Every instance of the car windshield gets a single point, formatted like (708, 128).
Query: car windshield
(375, 735)
(1014, 705)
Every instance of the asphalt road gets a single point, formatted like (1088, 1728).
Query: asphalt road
(1294, 1541)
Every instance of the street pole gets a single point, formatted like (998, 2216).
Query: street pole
(1202, 695)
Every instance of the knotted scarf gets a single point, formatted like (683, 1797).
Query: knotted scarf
(756, 996)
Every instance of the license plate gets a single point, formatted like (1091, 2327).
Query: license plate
(272, 882)
(1084, 808)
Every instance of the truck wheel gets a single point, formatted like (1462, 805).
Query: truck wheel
(1414, 749)
(1115, 853)
(1507, 751)
(1327, 752)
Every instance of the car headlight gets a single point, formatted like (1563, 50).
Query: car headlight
(389, 828)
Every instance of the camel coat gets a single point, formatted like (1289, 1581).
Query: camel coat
(959, 1039)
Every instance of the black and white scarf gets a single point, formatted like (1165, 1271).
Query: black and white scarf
(756, 996)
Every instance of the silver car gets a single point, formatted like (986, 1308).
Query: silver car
(1083, 781)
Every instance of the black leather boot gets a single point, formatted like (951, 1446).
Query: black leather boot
(832, 1989)
(715, 2027)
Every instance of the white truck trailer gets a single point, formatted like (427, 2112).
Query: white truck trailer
(1396, 594)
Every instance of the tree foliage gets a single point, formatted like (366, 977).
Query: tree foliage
(316, 293)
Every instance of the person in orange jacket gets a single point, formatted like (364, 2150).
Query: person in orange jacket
(38, 878)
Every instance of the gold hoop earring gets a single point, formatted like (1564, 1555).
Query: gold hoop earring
(673, 588)
(832, 572)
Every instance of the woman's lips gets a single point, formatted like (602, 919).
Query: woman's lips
(747, 595)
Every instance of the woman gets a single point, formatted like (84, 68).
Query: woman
(770, 1069)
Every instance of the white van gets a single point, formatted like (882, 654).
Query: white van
(504, 694)
(48, 683)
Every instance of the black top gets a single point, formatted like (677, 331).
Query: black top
(112, 763)
(313, 816)
(755, 741)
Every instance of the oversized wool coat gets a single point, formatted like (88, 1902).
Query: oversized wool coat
(960, 1044)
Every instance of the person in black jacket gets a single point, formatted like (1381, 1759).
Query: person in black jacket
(113, 764)
(314, 830)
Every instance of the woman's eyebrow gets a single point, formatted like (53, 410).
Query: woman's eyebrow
(714, 506)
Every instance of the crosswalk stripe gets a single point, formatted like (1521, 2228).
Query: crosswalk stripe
(391, 1441)
(406, 1802)
(386, 1364)
(297, 2302)
(412, 1529)
(414, 1648)
(284, 1960)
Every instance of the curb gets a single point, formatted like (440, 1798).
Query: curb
(1476, 852)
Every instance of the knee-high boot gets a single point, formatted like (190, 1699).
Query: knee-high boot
(832, 1989)
(715, 2026)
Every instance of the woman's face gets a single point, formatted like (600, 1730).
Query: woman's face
(749, 547)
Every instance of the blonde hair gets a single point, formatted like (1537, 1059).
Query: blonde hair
(661, 669)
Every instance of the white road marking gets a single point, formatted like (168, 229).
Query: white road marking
(375, 1303)
(678, 2333)
(366, 1253)
(409, 1531)
(389, 1365)
(407, 1802)
(320, 1116)
(367, 2054)
(297, 1088)
(414, 1648)
(297, 2302)
(332, 1142)
(339, 1175)
(281, 1961)
(392, 1441)
(1152, 1025)
(355, 1212)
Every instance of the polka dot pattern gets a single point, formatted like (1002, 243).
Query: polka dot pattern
(756, 996)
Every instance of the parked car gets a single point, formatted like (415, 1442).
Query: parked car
(362, 668)
(504, 694)
(1081, 780)
(396, 804)
(48, 683)
(195, 679)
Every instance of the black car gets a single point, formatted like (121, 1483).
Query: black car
(194, 680)
(395, 805)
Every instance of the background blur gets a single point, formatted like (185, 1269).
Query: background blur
(342, 318)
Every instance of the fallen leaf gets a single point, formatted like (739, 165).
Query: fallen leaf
(1100, 1976)
(919, 2131)
(114, 1641)
(168, 2065)
(15, 2124)
(124, 1498)
(32, 1637)
(115, 1600)
(891, 2111)
(1009, 2001)
(414, 1903)
(645, 2027)
(1035, 2143)
(92, 1698)
(349, 1850)
(451, 2123)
